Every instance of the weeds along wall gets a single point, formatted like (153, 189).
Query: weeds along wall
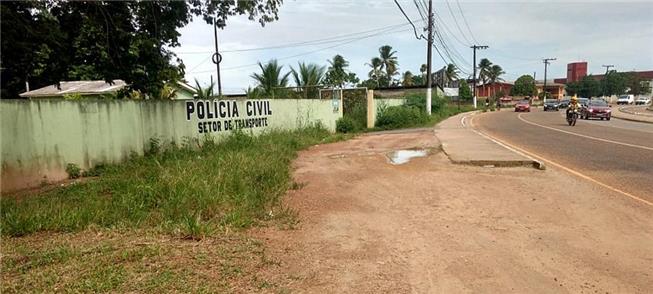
(40, 137)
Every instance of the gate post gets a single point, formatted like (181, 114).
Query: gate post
(371, 109)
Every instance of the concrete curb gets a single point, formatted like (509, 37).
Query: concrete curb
(622, 114)
(500, 157)
(631, 119)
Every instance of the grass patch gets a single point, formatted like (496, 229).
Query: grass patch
(180, 190)
(109, 260)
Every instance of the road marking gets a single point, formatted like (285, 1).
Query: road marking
(539, 163)
(604, 124)
(569, 170)
(584, 136)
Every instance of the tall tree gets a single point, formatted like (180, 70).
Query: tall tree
(494, 74)
(308, 77)
(375, 73)
(464, 91)
(422, 70)
(271, 80)
(484, 67)
(614, 83)
(337, 75)
(451, 73)
(388, 62)
(44, 42)
(524, 86)
(589, 87)
(407, 79)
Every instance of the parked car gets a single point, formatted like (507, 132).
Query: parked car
(626, 99)
(551, 104)
(643, 101)
(523, 105)
(597, 108)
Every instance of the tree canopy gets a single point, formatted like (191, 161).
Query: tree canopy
(44, 42)
(524, 86)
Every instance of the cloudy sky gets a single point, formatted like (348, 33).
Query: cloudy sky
(519, 33)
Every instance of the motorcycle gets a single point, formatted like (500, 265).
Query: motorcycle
(572, 116)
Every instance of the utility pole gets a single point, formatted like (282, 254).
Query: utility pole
(475, 47)
(546, 64)
(428, 58)
(605, 81)
(217, 58)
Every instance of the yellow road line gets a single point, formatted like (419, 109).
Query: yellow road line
(584, 136)
(569, 170)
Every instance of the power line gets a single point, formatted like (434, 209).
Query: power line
(327, 40)
(419, 10)
(351, 40)
(420, 36)
(456, 22)
(465, 20)
(449, 31)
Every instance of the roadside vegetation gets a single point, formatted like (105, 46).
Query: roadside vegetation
(167, 220)
(413, 113)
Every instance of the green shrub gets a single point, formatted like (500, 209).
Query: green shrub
(395, 117)
(73, 171)
(345, 125)
(419, 101)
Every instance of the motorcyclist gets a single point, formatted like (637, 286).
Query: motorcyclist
(573, 105)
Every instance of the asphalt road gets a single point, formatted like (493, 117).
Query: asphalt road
(616, 153)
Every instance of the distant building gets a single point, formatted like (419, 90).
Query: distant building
(184, 91)
(87, 89)
(491, 89)
(575, 72)
(555, 90)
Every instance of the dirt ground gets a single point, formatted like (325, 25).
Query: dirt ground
(428, 226)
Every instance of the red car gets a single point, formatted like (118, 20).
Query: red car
(596, 109)
(523, 105)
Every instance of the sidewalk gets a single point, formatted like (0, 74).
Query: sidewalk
(633, 113)
(465, 146)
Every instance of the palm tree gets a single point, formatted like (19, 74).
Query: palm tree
(270, 80)
(407, 79)
(203, 93)
(494, 73)
(422, 70)
(168, 92)
(308, 76)
(375, 73)
(451, 73)
(388, 61)
(484, 70)
(336, 74)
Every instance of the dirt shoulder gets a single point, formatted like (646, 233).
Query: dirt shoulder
(431, 226)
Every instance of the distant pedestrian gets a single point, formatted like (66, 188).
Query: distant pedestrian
(498, 104)
(487, 103)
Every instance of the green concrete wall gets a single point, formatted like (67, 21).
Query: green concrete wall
(39, 137)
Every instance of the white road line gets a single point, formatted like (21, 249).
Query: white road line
(569, 170)
(584, 136)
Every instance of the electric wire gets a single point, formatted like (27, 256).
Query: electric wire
(465, 20)
(420, 36)
(351, 40)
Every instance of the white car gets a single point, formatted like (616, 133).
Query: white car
(643, 101)
(626, 99)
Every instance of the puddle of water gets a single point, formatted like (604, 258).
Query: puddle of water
(403, 156)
